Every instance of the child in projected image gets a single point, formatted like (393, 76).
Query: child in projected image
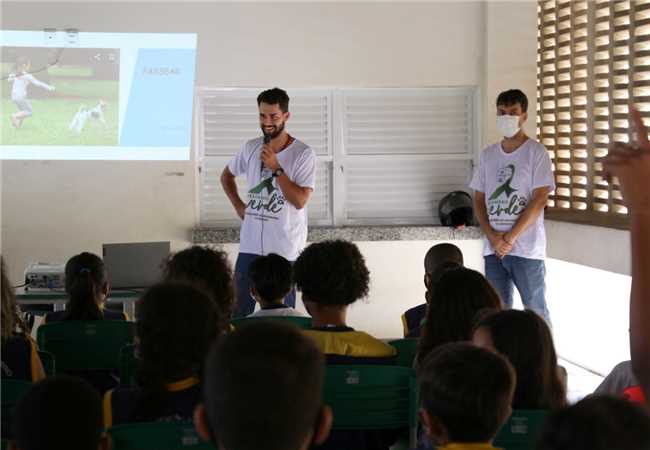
(21, 79)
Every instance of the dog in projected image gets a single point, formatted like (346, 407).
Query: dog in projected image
(84, 114)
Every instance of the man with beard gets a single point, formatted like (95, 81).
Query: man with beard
(280, 176)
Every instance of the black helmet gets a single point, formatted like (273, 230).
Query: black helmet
(455, 209)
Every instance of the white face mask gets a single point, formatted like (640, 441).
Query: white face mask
(507, 125)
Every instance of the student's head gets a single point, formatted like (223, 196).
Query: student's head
(10, 317)
(439, 258)
(86, 283)
(597, 423)
(331, 274)
(524, 338)
(175, 327)
(40, 422)
(511, 104)
(466, 393)
(263, 390)
(459, 295)
(273, 105)
(270, 279)
(210, 270)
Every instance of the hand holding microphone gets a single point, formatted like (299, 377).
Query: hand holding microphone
(268, 156)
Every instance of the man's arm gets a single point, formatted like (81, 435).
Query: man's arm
(631, 164)
(495, 237)
(298, 196)
(230, 188)
(530, 214)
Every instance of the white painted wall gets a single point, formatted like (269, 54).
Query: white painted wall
(50, 210)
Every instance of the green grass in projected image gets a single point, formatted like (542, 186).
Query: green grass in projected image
(54, 111)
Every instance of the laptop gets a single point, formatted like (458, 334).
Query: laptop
(136, 264)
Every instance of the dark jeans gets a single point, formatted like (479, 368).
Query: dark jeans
(245, 304)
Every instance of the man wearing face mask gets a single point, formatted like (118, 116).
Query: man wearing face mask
(511, 187)
(280, 176)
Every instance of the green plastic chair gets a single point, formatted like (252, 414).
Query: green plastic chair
(300, 322)
(521, 430)
(157, 436)
(127, 365)
(49, 364)
(406, 348)
(12, 391)
(80, 345)
(372, 398)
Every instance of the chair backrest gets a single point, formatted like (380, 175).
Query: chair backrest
(127, 365)
(157, 436)
(81, 345)
(300, 322)
(372, 398)
(521, 430)
(12, 391)
(49, 364)
(406, 348)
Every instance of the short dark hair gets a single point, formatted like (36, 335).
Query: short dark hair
(457, 297)
(332, 273)
(597, 423)
(275, 96)
(270, 275)
(440, 255)
(532, 354)
(467, 388)
(210, 270)
(512, 97)
(263, 387)
(39, 423)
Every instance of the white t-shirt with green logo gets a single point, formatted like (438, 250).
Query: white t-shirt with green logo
(508, 181)
(271, 223)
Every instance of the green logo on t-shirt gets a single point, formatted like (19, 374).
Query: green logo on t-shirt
(265, 198)
(505, 176)
(265, 184)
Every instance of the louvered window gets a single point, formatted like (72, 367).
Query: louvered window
(386, 156)
(593, 61)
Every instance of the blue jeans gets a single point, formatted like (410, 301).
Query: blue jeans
(245, 304)
(524, 273)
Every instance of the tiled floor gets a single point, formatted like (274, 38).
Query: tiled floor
(581, 382)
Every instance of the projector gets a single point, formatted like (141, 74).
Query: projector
(45, 276)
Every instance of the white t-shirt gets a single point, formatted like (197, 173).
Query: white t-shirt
(275, 312)
(508, 181)
(271, 223)
(20, 83)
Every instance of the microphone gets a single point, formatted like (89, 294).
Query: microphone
(267, 139)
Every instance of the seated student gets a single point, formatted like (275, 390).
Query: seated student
(332, 275)
(86, 283)
(466, 393)
(525, 339)
(597, 423)
(176, 324)
(210, 270)
(60, 413)
(459, 295)
(270, 281)
(437, 261)
(263, 390)
(19, 354)
(621, 382)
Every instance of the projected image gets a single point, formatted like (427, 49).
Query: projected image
(60, 96)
